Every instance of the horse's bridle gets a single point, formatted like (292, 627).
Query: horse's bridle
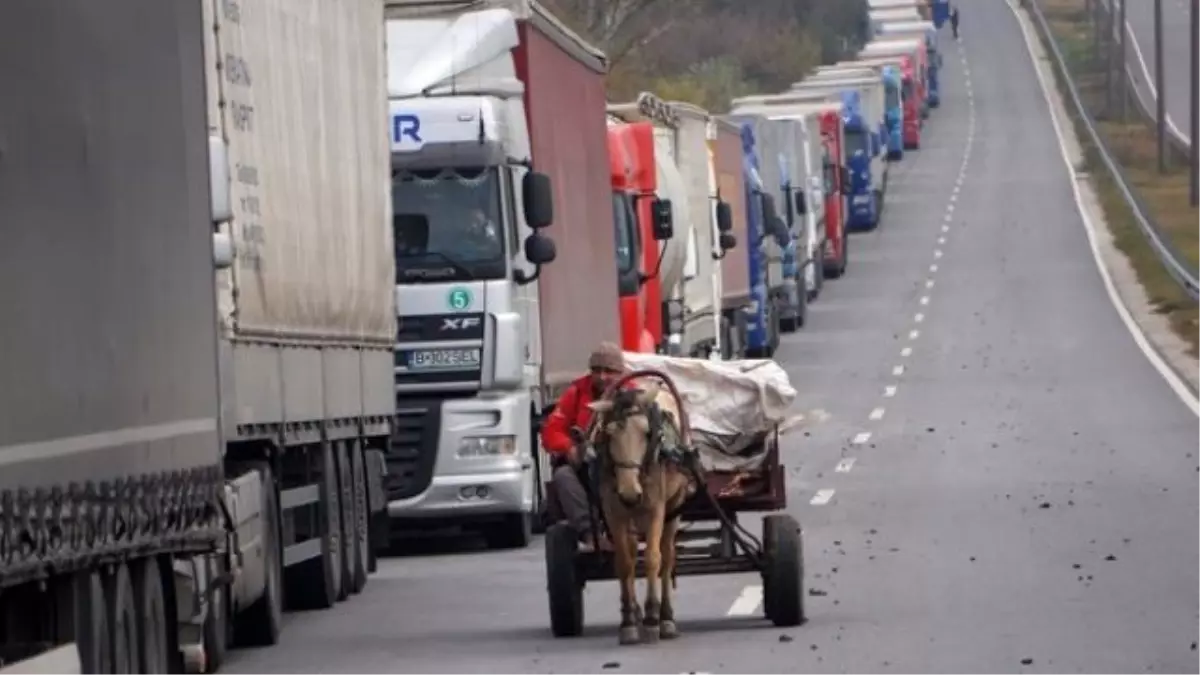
(655, 418)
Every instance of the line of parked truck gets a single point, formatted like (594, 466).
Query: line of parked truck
(249, 334)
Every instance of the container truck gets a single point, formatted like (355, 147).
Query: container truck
(866, 141)
(498, 132)
(201, 324)
(911, 122)
(918, 64)
(786, 298)
(877, 18)
(864, 160)
(892, 124)
(920, 30)
(725, 144)
(639, 219)
(939, 12)
(689, 273)
(832, 135)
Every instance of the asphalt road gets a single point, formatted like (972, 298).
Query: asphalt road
(1001, 483)
(1176, 63)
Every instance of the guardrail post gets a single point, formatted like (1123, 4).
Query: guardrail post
(1161, 99)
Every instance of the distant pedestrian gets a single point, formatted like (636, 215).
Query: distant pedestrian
(954, 20)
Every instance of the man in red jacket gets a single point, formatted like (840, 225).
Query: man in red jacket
(565, 427)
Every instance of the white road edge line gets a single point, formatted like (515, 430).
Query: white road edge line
(822, 497)
(1174, 381)
(747, 601)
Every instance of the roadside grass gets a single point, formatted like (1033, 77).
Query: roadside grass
(1134, 145)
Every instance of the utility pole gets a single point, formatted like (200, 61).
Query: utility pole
(1195, 130)
(1123, 66)
(1161, 112)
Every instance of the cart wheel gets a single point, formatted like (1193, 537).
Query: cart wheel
(563, 585)
(783, 576)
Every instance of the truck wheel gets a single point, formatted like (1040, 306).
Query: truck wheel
(151, 616)
(346, 520)
(122, 617)
(515, 531)
(819, 273)
(91, 626)
(260, 623)
(358, 533)
(216, 623)
(316, 583)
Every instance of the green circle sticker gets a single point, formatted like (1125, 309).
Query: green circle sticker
(459, 299)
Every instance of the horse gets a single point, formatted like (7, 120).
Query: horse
(639, 437)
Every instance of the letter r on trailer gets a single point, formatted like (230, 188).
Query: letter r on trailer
(406, 125)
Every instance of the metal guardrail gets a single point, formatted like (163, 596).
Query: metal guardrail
(1170, 257)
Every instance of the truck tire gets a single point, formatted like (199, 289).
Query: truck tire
(316, 583)
(91, 627)
(216, 623)
(260, 623)
(359, 531)
(153, 656)
(346, 520)
(514, 531)
(122, 619)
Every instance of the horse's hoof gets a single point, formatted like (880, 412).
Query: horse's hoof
(629, 635)
(668, 630)
(650, 633)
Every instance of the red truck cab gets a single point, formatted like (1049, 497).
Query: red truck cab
(833, 135)
(636, 208)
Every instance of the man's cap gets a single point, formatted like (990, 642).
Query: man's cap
(608, 356)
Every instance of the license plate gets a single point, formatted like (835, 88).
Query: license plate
(433, 359)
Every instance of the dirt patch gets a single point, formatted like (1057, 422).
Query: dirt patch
(1134, 146)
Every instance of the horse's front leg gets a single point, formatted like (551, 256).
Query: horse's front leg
(625, 561)
(654, 537)
(668, 629)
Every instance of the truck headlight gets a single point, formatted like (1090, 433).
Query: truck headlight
(487, 446)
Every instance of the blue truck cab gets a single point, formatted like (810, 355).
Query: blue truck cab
(940, 12)
(893, 115)
(762, 334)
(861, 147)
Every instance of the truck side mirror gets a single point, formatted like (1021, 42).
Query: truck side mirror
(801, 203)
(538, 199)
(540, 249)
(724, 219)
(727, 241)
(663, 220)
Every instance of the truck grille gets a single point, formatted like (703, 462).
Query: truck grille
(412, 453)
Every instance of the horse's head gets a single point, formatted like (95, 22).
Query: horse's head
(627, 428)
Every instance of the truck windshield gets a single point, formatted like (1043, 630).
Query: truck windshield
(447, 225)
(855, 141)
(624, 222)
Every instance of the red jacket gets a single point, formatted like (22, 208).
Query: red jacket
(572, 411)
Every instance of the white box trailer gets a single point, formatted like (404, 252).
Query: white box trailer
(871, 101)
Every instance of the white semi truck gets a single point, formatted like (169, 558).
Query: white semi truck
(505, 254)
(198, 285)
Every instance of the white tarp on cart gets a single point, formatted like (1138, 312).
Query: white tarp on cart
(731, 405)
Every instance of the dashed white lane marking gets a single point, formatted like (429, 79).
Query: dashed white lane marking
(954, 196)
(747, 602)
(845, 465)
(945, 228)
(914, 334)
(924, 299)
(919, 317)
(937, 253)
(889, 391)
(898, 371)
(862, 437)
(1174, 381)
(949, 217)
(822, 497)
(933, 267)
(906, 352)
(929, 283)
(949, 208)
(876, 414)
